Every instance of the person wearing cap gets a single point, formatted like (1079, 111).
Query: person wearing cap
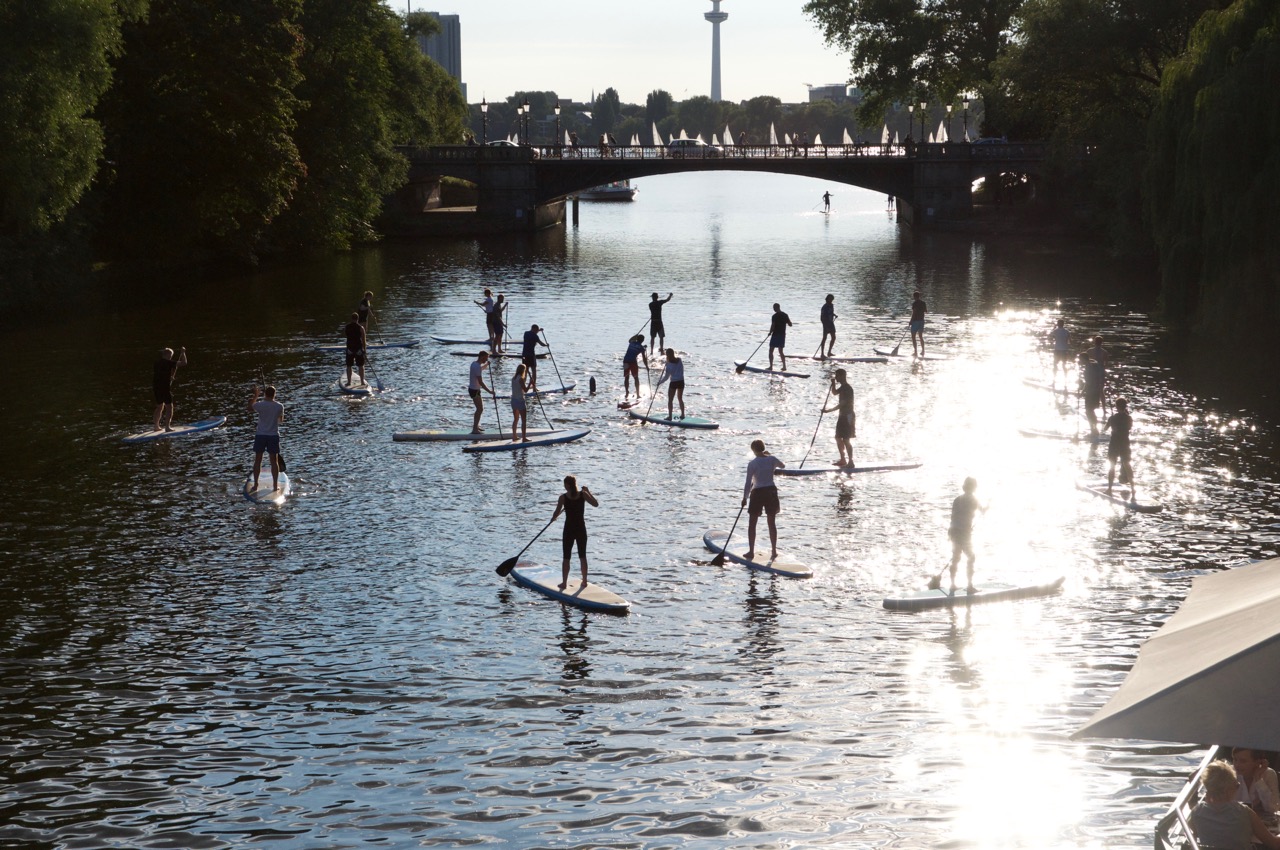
(631, 365)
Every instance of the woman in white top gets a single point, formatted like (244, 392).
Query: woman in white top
(519, 412)
(763, 495)
(673, 369)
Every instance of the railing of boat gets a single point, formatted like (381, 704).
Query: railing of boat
(1172, 831)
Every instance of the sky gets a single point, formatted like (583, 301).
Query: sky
(576, 47)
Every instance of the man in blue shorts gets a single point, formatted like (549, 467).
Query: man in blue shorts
(778, 335)
(266, 438)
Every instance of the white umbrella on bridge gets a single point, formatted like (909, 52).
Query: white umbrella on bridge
(773, 135)
(786, 138)
(683, 134)
(728, 139)
(942, 132)
(567, 140)
(884, 135)
(817, 139)
(1208, 675)
(847, 140)
(657, 137)
(635, 140)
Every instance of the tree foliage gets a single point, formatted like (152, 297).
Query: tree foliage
(199, 127)
(55, 64)
(912, 49)
(1212, 176)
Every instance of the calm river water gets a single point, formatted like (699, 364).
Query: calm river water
(182, 669)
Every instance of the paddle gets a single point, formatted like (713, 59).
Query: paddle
(368, 362)
(378, 333)
(493, 391)
(935, 583)
(648, 379)
(509, 564)
(894, 353)
(718, 560)
(552, 355)
(742, 367)
(279, 454)
(816, 427)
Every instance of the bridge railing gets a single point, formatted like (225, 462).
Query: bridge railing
(945, 151)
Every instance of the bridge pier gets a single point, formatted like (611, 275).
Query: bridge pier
(942, 188)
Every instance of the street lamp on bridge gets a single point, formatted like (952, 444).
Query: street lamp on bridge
(948, 122)
(923, 106)
(911, 119)
(558, 145)
(484, 121)
(528, 141)
(966, 119)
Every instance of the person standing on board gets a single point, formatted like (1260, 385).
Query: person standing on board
(763, 495)
(365, 310)
(162, 372)
(1094, 372)
(961, 531)
(1119, 425)
(266, 437)
(519, 410)
(486, 304)
(826, 200)
(498, 330)
(656, 329)
(573, 504)
(529, 355)
(631, 365)
(778, 336)
(357, 340)
(828, 316)
(476, 387)
(1061, 351)
(674, 370)
(916, 326)
(846, 419)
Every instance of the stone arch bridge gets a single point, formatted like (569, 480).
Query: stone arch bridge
(524, 187)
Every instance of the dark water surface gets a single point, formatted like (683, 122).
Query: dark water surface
(181, 669)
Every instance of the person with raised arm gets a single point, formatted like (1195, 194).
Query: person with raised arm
(657, 331)
(846, 419)
(573, 504)
(162, 374)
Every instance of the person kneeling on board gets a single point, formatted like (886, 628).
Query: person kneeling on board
(961, 531)
(1220, 821)
(846, 420)
(357, 340)
(764, 497)
(475, 385)
(267, 435)
(673, 369)
(573, 504)
(1118, 449)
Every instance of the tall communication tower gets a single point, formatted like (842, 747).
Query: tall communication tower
(716, 17)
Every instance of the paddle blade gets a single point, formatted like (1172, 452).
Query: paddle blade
(507, 566)
(741, 367)
(718, 560)
(894, 353)
(936, 582)
(280, 461)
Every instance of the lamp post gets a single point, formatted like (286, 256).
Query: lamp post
(911, 118)
(923, 106)
(966, 119)
(948, 122)
(528, 141)
(558, 146)
(484, 121)
(519, 122)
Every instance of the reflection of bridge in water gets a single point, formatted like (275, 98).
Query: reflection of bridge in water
(523, 188)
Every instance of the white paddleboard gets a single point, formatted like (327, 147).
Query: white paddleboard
(765, 370)
(1119, 495)
(677, 422)
(546, 580)
(178, 430)
(869, 466)
(442, 435)
(1042, 385)
(888, 352)
(546, 440)
(453, 340)
(821, 359)
(372, 346)
(501, 355)
(561, 389)
(1083, 437)
(989, 592)
(263, 494)
(356, 387)
(782, 565)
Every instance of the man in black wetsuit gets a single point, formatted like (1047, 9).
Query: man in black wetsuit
(356, 341)
(162, 385)
(656, 330)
